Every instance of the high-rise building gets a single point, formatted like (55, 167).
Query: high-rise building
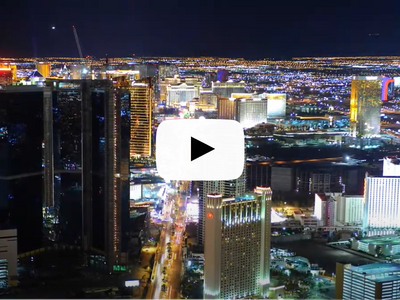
(381, 203)
(226, 108)
(22, 122)
(44, 69)
(391, 166)
(325, 209)
(65, 150)
(237, 246)
(371, 281)
(276, 105)
(350, 209)
(365, 105)
(225, 89)
(228, 188)
(85, 161)
(141, 118)
(250, 112)
(208, 79)
(77, 72)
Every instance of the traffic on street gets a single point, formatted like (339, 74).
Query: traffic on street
(168, 269)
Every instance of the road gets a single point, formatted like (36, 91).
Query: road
(297, 161)
(171, 267)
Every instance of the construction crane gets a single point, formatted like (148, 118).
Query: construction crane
(77, 42)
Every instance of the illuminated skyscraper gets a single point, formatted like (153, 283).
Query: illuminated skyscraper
(276, 105)
(365, 105)
(141, 118)
(381, 204)
(228, 188)
(237, 246)
(250, 112)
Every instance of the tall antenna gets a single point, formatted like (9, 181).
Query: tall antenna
(77, 42)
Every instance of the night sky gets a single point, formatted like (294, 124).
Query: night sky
(252, 29)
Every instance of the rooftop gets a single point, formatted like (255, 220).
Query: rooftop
(387, 271)
(378, 240)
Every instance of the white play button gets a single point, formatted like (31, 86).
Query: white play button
(200, 149)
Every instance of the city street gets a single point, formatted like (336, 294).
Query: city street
(168, 270)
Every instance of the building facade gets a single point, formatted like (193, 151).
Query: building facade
(22, 161)
(226, 89)
(226, 108)
(8, 258)
(44, 69)
(183, 92)
(228, 188)
(365, 105)
(350, 209)
(381, 203)
(250, 112)
(237, 247)
(391, 166)
(65, 174)
(371, 281)
(276, 105)
(141, 118)
(325, 209)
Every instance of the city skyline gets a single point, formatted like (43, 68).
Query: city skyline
(103, 185)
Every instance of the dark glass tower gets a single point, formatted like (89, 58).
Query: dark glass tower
(21, 163)
(89, 148)
(64, 154)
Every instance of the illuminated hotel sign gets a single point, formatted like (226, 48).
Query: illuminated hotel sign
(69, 85)
(387, 89)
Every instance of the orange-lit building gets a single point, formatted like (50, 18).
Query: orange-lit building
(44, 69)
(8, 67)
(141, 118)
(226, 108)
(365, 105)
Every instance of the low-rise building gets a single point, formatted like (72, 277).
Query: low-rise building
(371, 281)
(8, 258)
(382, 246)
